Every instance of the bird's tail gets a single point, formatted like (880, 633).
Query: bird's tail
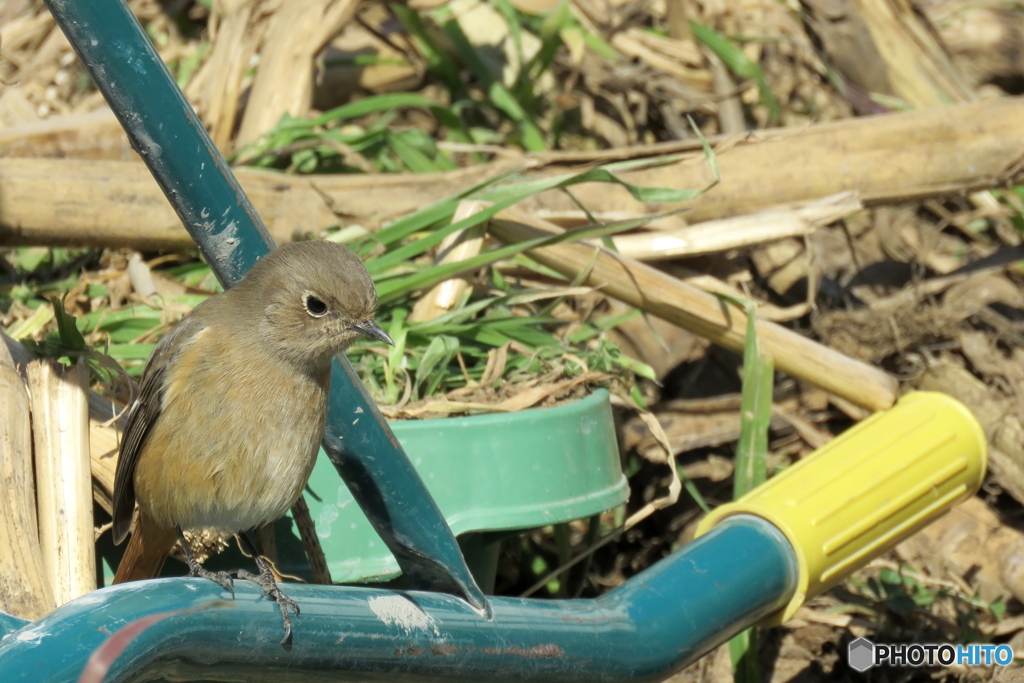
(147, 549)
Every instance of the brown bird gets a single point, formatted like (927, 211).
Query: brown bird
(232, 405)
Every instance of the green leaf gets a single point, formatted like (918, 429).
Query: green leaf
(887, 575)
(103, 319)
(188, 65)
(439, 211)
(755, 411)
(600, 47)
(603, 174)
(372, 104)
(515, 27)
(998, 608)
(507, 195)
(27, 259)
(390, 290)
(435, 360)
(600, 325)
(417, 161)
(743, 652)
(738, 63)
(498, 95)
(636, 367)
(457, 130)
(692, 489)
(550, 35)
(131, 351)
(67, 327)
(439, 63)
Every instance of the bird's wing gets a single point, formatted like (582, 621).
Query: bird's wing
(142, 417)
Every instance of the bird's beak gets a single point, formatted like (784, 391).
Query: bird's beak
(372, 329)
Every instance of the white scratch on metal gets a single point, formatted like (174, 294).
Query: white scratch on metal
(395, 609)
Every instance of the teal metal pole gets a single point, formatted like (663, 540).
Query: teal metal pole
(653, 625)
(165, 131)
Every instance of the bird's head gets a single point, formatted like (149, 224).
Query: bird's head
(311, 300)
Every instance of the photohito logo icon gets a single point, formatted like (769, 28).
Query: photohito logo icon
(861, 654)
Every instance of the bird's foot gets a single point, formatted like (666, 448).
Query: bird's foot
(265, 580)
(224, 579)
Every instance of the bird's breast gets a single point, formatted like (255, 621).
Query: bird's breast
(235, 442)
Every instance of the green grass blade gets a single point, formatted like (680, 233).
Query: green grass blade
(393, 289)
(596, 327)
(67, 327)
(600, 47)
(738, 63)
(427, 216)
(655, 195)
(755, 411)
(506, 196)
(743, 652)
(373, 104)
(751, 471)
(417, 161)
(551, 39)
(457, 130)
(515, 27)
(438, 61)
(498, 95)
(438, 354)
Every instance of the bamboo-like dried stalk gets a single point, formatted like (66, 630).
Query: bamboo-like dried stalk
(311, 542)
(739, 231)
(24, 590)
(892, 157)
(661, 294)
(103, 443)
(217, 87)
(458, 246)
(284, 82)
(884, 158)
(103, 434)
(95, 135)
(60, 421)
(266, 542)
(118, 204)
(919, 68)
(918, 65)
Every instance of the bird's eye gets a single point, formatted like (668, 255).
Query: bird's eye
(314, 306)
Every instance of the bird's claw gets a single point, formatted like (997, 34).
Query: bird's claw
(265, 580)
(223, 579)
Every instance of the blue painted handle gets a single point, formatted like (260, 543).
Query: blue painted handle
(653, 625)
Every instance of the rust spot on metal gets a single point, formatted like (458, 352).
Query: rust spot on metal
(585, 620)
(545, 651)
(375, 412)
(444, 650)
(411, 650)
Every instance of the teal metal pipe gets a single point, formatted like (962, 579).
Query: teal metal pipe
(165, 131)
(653, 625)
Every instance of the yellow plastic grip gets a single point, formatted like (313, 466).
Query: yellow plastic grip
(868, 489)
